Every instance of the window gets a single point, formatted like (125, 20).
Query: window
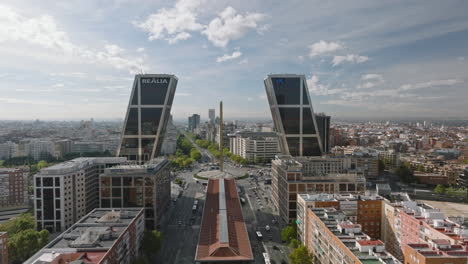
(287, 90)
(308, 126)
(150, 118)
(132, 122)
(290, 119)
(153, 90)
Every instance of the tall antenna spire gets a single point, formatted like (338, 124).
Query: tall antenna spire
(221, 158)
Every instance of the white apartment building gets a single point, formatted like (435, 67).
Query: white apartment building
(253, 146)
(8, 150)
(66, 192)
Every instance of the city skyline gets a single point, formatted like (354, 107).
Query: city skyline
(361, 59)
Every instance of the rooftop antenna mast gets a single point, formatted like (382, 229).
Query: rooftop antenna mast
(221, 158)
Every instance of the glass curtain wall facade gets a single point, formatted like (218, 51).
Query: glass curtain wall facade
(147, 115)
(293, 115)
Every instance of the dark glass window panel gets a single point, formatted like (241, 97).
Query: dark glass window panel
(57, 215)
(293, 144)
(287, 90)
(129, 147)
(48, 181)
(153, 90)
(129, 197)
(116, 203)
(39, 217)
(105, 203)
(48, 204)
(116, 181)
(323, 124)
(291, 120)
(305, 99)
(57, 181)
(116, 192)
(39, 193)
(127, 181)
(58, 226)
(105, 192)
(38, 181)
(135, 97)
(150, 120)
(308, 126)
(147, 147)
(149, 213)
(132, 122)
(105, 181)
(57, 192)
(38, 204)
(57, 204)
(310, 147)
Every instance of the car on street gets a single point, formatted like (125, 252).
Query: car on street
(259, 235)
(267, 227)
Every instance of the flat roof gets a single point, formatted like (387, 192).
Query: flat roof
(223, 234)
(90, 238)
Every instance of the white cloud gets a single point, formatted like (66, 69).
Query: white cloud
(43, 32)
(323, 47)
(173, 24)
(371, 76)
(141, 49)
(319, 89)
(351, 58)
(448, 82)
(244, 61)
(231, 26)
(370, 81)
(226, 57)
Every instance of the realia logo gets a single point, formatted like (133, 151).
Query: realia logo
(153, 80)
(280, 81)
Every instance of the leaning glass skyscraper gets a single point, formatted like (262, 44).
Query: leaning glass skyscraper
(147, 115)
(293, 115)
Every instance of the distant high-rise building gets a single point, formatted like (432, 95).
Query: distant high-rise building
(212, 115)
(8, 150)
(323, 124)
(147, 115)
(293, 116)
(193, 122)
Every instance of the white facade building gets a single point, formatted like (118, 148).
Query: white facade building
(253, 146)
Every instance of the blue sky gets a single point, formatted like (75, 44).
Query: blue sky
(375, 59)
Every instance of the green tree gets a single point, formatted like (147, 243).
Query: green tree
(195, 154)
(42, 164)
(301, 255)
(25, 243)
(151, 243)
(439, 189)
(288, 233)
(294, 243)
(405, 174)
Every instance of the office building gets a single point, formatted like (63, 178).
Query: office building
(8, 150)
(435, 252)
(104, 236)
(193, 122)
(13, 187)
(293, 116)
(37, 149)
(67, 191)
(290, 176)
(323, 124)
(254, 146)
(145, 186)
(334, 240)
(360, 209)
(147, 115)
(223, 234)
(212, 115)
(3, 248)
